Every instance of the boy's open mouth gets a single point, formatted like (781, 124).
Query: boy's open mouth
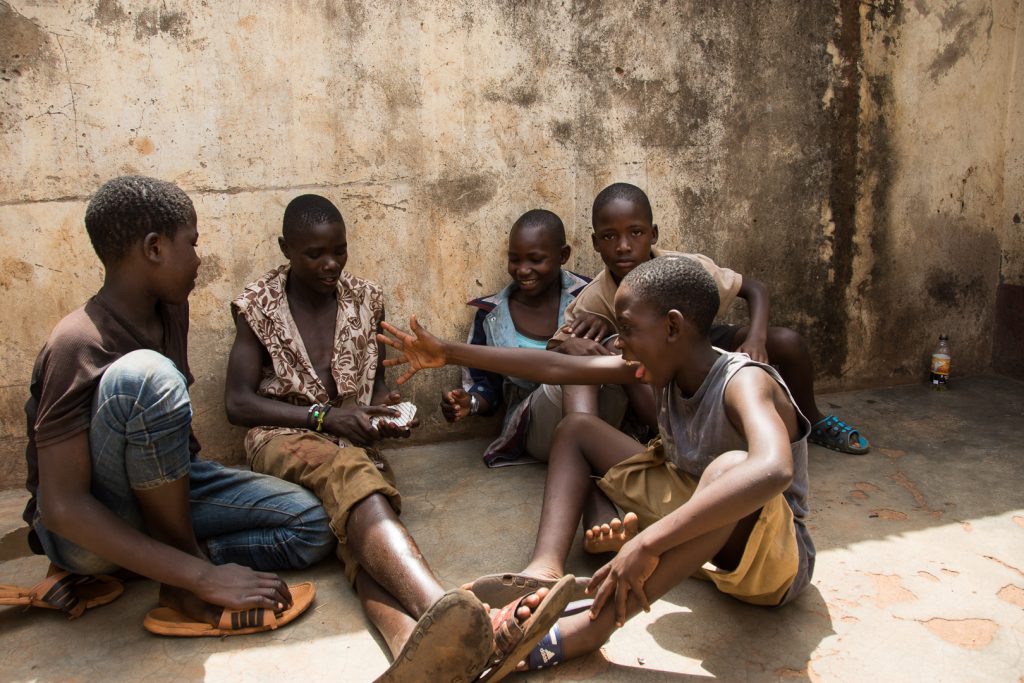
(639, 369)
(528, 282)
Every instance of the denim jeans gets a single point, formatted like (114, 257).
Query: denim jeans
(139, 439)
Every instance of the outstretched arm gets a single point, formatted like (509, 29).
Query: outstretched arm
(421, 350)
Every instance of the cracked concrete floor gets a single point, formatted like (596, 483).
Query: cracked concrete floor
(920, 572)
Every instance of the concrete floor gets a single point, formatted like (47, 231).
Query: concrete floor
(920, 572)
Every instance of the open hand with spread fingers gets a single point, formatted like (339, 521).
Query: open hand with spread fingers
(419, 350)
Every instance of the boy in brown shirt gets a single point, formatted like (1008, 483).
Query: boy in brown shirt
(113, 467)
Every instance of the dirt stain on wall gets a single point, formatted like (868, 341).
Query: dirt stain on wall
(462, 194)
(24, 46)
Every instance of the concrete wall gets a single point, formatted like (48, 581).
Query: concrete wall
(934, 236)
(822, 147)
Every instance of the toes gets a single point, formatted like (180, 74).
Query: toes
(631, 522)
(615, 525)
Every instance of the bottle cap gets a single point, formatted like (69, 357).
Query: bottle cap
(944, 337)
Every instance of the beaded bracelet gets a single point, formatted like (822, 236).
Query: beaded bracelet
(315, 416)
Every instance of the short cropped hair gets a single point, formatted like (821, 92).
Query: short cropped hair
(676, 282)
(308, 210)
(546, 220)
(630, 193)
(126, 209)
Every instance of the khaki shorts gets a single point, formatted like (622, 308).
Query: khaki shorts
(340, 476)
(651, 487)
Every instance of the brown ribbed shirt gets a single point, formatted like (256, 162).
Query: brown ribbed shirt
(66, 373)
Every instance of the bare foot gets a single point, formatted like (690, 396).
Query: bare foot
(609, 538)
(188, 604)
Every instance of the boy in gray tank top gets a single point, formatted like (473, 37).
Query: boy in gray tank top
(724, 484)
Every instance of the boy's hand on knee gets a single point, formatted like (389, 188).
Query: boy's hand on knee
(629, 571)
(455, 405)
(576, 346)
(589, 326)
(756, 350)
(238, 587)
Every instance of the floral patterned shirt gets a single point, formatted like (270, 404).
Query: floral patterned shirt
(290, 375)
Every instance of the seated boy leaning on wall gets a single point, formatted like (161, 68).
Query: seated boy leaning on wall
(725, 484)
(114, 471)
(624, 235)
(304, 375)
(525, 314)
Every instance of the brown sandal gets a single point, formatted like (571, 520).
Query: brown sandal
(70, 593)
(513, 641)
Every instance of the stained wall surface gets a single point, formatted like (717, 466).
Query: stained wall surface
(850, 155)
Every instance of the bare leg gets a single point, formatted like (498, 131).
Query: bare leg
(582, 634)
(390, 618)
(168, 518)
(387, 552)
(580, 399)
(583, 445)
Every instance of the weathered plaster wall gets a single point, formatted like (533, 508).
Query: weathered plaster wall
(932, 236)
(812, 145)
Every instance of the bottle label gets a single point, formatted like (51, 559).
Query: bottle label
(940, 364)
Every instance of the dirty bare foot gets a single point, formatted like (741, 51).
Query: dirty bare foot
(188, 604)
(610, 537)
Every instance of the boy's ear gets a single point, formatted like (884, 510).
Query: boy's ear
(675, 321)
(283, 246)
(152, 248)
(654, 233)
(566, 252)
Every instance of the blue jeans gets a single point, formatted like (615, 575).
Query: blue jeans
(139, 439)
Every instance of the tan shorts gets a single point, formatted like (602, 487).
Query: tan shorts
(651, 487)
(339, 476)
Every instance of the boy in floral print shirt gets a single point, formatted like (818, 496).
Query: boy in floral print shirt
(304, 376)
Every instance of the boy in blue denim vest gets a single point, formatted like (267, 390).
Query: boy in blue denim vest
(113, 467)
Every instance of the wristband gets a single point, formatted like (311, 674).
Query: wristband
(315, 416)
(474, 404)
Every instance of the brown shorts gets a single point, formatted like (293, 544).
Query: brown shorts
(340, 476)
(651, 487)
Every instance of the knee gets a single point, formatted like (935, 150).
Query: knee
(312, 538)
(785, 345)
(572, 424)
(148, 376)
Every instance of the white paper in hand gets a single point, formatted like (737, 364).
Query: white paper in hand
(406, 412)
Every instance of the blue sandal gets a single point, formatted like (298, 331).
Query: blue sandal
(831, 432)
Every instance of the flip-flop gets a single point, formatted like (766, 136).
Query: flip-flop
(165, 621)
(501, 589)
(452, 641)
(70, 593)
(514, 641)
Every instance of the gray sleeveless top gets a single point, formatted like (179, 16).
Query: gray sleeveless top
(696, 430)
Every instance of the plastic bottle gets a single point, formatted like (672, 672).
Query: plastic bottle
(940, 365)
